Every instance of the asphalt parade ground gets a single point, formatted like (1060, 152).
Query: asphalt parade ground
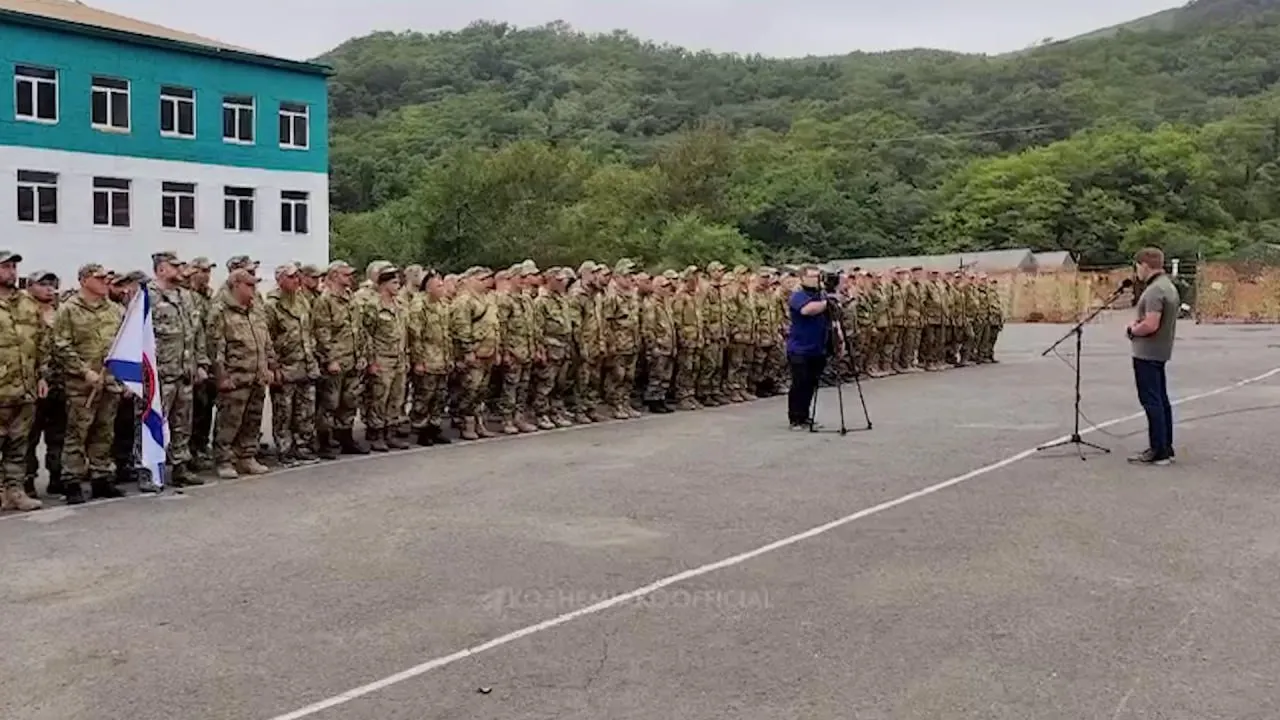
(703, 565)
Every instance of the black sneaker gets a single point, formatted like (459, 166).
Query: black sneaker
(1148, 457)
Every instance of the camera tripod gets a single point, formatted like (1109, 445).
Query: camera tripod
(849, 347)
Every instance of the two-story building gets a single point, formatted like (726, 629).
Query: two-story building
(119, 138)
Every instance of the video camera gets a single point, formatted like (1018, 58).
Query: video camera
(830, 281)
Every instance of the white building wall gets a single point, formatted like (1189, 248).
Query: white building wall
(75, 240)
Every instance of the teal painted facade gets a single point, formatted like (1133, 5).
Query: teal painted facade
(79, 57)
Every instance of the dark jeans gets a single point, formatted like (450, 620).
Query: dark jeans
(806, 372)
(1153, 393)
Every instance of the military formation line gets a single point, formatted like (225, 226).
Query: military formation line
(411, 351)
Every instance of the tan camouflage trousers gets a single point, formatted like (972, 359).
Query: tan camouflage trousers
(955, 341)
(975, 341)
(587, 383)
(550, 386)
(619, 379)
(738, 367)
(339, 397)
(988, 352)
(91, 429)
(513, 395)
(15, 430)
(685, 379)
(889, 345)
(384, 398)
(238, 424)
(909, 351)
(430, 395)
(178, 399)
(931, 344)
(711, 370)
(473, 384)
(293, 422)
(661, 369)
(50, 424)
(769, 365)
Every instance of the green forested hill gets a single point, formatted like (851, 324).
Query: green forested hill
(494, 143)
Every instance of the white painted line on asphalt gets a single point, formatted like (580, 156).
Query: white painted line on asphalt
(625, 598)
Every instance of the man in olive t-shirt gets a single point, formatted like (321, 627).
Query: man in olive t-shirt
(1152, 336)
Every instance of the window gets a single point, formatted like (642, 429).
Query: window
(177, 111)
(111, 202)
(237, 119)
(178, 205)
(110, 109)
(35, 91)
(237, 209)
(294, 121)
(37, 197)
(293, 212)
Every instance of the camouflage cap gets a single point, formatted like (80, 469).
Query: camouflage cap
(239, 262)
(529, 268)
(586, 267)
(341, 267)
(662, 280)
(8, 256)
(373, 269)
(92, 270)
(133, 276)
(310, 270)
(917, 268)
(201, 263)
(506, 274)
(241, 275)
(625, 266)
(671, 275)
(715, 266)
(41, 276)
(287, 270)
(477, 271)
(387, 274)
(167, 256)
(766, 272)
(741, 270)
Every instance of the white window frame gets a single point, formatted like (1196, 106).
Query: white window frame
(293, 111)
(177, 96)
(35, 181)
(111, 188)
(30, 77)
(176, 191)
(239, 196)
(107, 86)
(236, 103)
(290, 201)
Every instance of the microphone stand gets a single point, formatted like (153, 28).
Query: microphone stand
(1078, 332)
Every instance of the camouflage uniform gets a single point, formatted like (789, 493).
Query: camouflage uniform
(934, 334)
(386, 337)
(476, 332)
(551, 380)
(340, 341)
(687, 315)
(515, 318)
(180, 354)
(204, 394)
(766, 337)
(878, 307)
(50, 424)
(896, 316)
(955, 322)
(972, 323)
(995, 323)
(715, 322)
(591, 352)
(83, 331)
(621, 312)
(242, 356)
(431, 351)
(865, 318)
(740, 316)
(293, 394)
(24, 347)
(660, 343)
(913, 322)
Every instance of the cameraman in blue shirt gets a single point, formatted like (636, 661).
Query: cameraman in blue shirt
(806, 345)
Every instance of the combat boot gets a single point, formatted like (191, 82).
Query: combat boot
(377, 442)
(184, 477)
(582, 419)
(749, 396)
(563, 420)
(425, 437)
(469, 429)
(737, 397)
(687, 405)
(349, 445)
(659, 407)
(509, 426)
(620, 413)
(73, 492)
(29, 487)
(524, 426)
(437, 435)
(326, 450)
(635, 413)
(304, 455)
(103, 489)
(482, 428)
(595, 415)
(55, 482)
(15, 499)
(251, 466)
(544, 423)
(395, 442)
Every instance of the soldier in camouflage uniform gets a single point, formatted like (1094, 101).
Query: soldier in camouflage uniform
(431, 358)
(551, 377)
(620, 309)
(934, 331)
(661, 341)
(686, 312)
(293, 389)
(24, 346)
(515, 366)
(715, 321)
(50, 424)
(204, 395)
(476, 333)
(84, 328)
(385, 330)
(913, 322)
(955, 319)
(126, 444)
(971, 304)
(740, 317)
(242, 357)
(995, 321)
(340, 356)
(896, 312)
(181, 362)
(589, 323)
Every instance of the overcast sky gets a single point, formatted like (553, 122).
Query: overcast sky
(305, 28)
